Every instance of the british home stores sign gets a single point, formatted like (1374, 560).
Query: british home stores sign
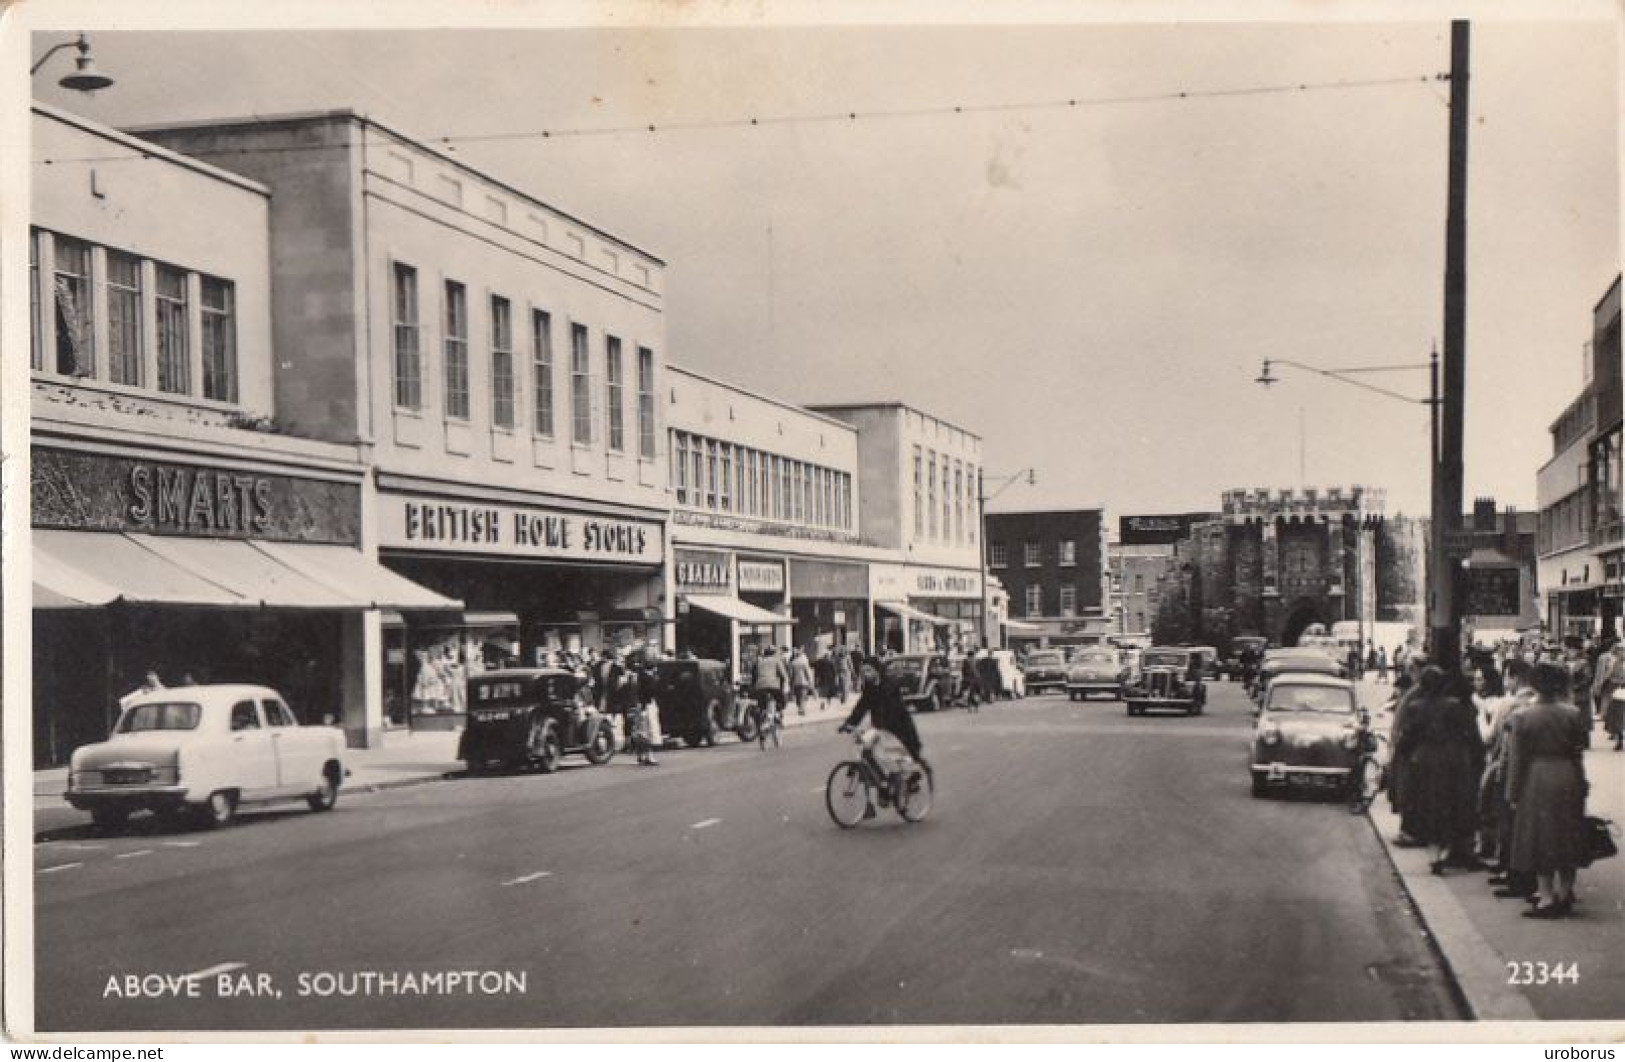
(444, 526)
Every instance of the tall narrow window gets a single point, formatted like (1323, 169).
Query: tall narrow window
(408, 358)
(646, 403)
(502, 362)
(75, 349)
(541, 328)
(696, 463)
(739, 479)
(580, 382)
(219, 299)
(710, 474)
(947, 506)
(36, 351)
(456, 348)
(174, 353)
(1069, 600)
(679, 467)
(919, 494)
(725, 483)
(1035, 604)
(615, 387)
(959, 501)
(123, 319)
(931, 493)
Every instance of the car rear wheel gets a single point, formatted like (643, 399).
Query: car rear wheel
(602, 747)
(747, 729)
(543, 745)
(327, 794)
(110, 819)
(220, 809)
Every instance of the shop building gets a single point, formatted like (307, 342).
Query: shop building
(1053, 564)
(917, 498)
(178, 525)
(1568, 574)
(765, 541)
(499, 361)
(1603, 471)
(1138, 562)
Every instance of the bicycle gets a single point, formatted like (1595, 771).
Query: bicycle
(768, 718)
(883, 769)
(1370, 774)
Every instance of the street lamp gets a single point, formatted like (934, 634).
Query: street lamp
(1441, 607)
(982, 498)
(85, 77)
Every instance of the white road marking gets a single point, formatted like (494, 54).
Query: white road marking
(59, 866)
(703, 823)
(816, 789)
(529, 878)
(219, 968)
(182, 844)
(132, 855)
(64, 845)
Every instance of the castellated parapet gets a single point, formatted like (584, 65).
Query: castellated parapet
(1357, 504)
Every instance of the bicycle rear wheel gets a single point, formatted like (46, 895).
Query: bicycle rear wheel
(1364, 784)
(846, 795)
(916, 796)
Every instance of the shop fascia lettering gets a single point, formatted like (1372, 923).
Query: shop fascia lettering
(761, 576)
(893, 583)
(410, 523)
(189, 499)
(701, 575)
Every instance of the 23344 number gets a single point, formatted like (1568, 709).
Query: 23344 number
(1543, 973)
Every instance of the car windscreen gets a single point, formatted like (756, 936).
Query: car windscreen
(905, 665)
(1286, 697)
(1163, 660)
(1096, 659)
(1043, 659)
(164, 715)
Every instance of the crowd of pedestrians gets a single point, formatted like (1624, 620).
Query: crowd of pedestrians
(1488, 768)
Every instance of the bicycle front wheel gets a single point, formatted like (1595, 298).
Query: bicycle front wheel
(1364, 784)
(847, 794)
(915, 799)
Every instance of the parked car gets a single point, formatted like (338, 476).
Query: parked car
(1001, 674)
(1045, 669)
(1169, 679)
(1095, 669)
(927, 681)
(1240, 644)
(205, 750)
(1279, 662)
(697, 701)
(532, 717)
(1311, 730)
(1210, 661)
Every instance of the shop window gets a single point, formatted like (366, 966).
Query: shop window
(123, 318)
(580, 387)
(408, 358)
(174, 341)
(646, 403)
(541, 361)
(502, 382)
(75, 348)
(614, 391)
(219, 309)
(456, 351)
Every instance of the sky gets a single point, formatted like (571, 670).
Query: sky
(1091, 287)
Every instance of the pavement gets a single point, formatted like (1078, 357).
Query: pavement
(1481, 937)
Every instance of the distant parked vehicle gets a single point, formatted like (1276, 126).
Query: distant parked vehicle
(1045, 670)
(205, 750)
(1169, 679)
(697, 701)
(532, 717)
(1311, 730)
(1095, 669)
(927, 681)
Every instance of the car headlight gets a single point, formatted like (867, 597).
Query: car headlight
(1351, 739)
(1269, 735)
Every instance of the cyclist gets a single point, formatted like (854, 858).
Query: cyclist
(883, 703)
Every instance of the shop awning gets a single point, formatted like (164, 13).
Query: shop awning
(913, 613)
(98, 568)
(735, 609)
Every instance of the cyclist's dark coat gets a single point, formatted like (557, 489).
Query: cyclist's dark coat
(883, 703)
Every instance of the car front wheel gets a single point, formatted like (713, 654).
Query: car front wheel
(220, 809)
(327, 794)
(110, 818)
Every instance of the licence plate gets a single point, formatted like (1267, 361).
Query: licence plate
(1277, 772)
(127, 776)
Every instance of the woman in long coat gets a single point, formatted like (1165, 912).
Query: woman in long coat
(1445, 753)
(1546, 788)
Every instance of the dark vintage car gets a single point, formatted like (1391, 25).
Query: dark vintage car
(1278, 662)
(1210, 662)
(927, 681)
(1168, 680)
(1231, 665)
(1045, 669)
(697, 701)
(1310, 730)
(1095, 669)
(532, 717)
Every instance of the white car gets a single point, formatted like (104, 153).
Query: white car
(205, 750)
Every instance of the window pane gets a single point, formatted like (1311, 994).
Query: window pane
(219, 340)
(542, 365)
(408, 361)
(75, 351)
(502, 385)
(174, 355)
(456, 350)
(646, 403)
(123, 318)
(615, 385)
(36, 352)
(580, 381)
